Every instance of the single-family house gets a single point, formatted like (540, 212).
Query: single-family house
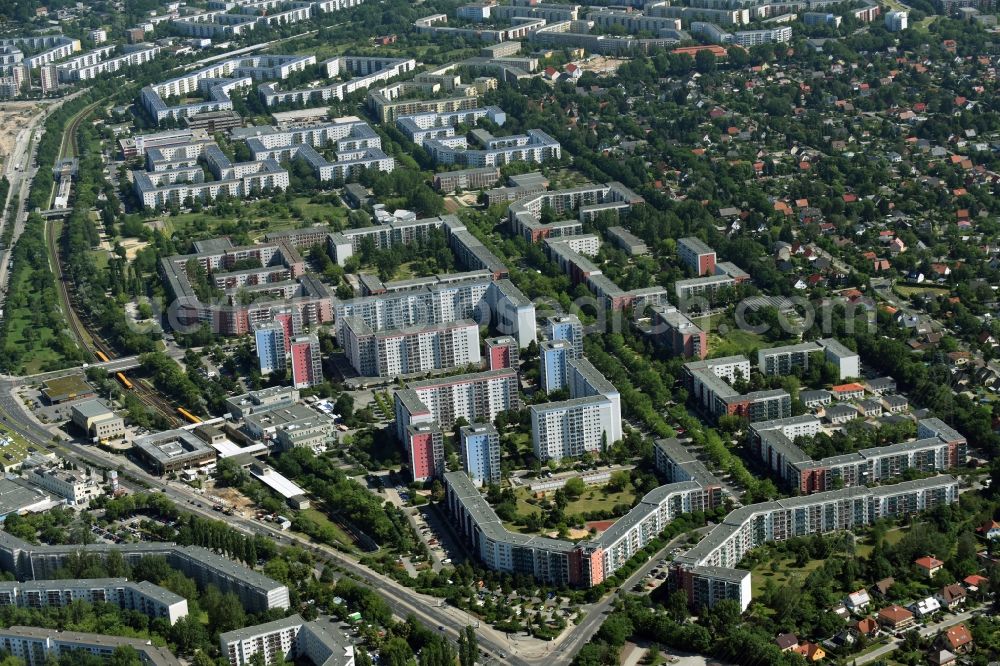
(958, 639)
(895, 618)
(989, 530)
(929, 565)
(952, 596)
(926, 606)
(858, 601)
(786, 642)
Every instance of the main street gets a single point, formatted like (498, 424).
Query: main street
(402, 600)
(23, 155)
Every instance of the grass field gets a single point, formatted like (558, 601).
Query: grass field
(892, 537)
(731, 341)
(593, 499)
(26, 329)
(910, 290)
(787, 574)
(260, 218)
(320, 518)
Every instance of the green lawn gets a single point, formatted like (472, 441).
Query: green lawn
(26, 332)
(910, 290)
(300, 212)
(892, 537)
(787, 574)
(728, 342)
(593, 499)
(724, 339)
(320, 518)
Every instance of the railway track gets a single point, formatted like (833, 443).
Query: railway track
(91, 342)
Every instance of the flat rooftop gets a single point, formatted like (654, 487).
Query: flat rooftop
(66, 388)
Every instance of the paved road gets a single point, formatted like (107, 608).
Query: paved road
(572, 640)
(401, 599)
(20, 181)
(501, 647)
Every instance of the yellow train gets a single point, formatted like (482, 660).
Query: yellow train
(188, 415)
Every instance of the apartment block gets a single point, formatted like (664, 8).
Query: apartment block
(751, 526)
(587, 201)
(696, 255)
(570, 428)
(425, 446)
(291, 638)
(448, 182)
(567, 328)
(365, 72)
(848, 362)
(678, 334)
(781, 361)
(535, 146)
(930, 452)
(36, 646)
(443, 299)
(306, 361)
(416, 349)
(480, 446)
(475, 397)
(501, 352)
(257, 592)
(552, 358)
(586, 381)
(707, 572)
(710, 388)
(280, 284)
(144, 597)
(272, 341)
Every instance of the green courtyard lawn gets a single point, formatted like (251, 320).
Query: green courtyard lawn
(787, 574)
(729, 342)
(592, 499)
(301, 211)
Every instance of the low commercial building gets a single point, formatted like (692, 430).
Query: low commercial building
(172, 451)
(65, 389)
(98, 420)
(75, 486)
(20, 498)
